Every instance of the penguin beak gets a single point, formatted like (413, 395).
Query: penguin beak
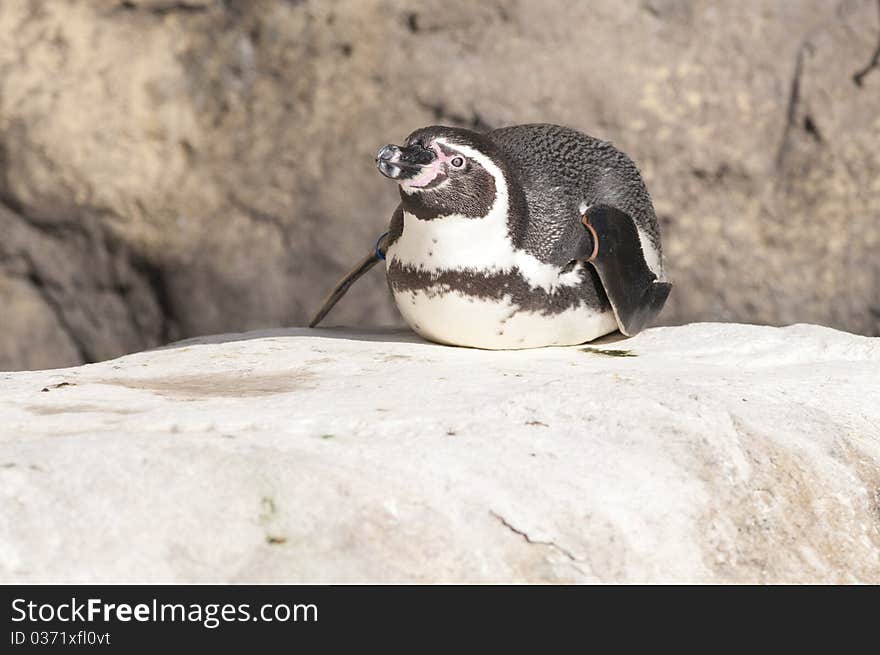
(403, 163)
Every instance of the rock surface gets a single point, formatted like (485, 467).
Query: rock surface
(702, 453)
(169, 169)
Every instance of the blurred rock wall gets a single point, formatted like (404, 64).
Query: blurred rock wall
(170, 169)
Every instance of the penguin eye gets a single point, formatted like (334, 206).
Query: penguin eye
(457, 162)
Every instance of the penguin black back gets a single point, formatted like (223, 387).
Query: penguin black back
(562, 173)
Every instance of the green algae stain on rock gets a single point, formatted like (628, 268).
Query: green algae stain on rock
(609, 352)
(268, 516)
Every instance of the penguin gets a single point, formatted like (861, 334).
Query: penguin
(520, 237)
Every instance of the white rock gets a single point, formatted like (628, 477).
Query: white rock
(718, 453)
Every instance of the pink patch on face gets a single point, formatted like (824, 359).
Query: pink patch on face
(430, 172)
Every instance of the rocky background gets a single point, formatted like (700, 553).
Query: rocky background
(171, 169)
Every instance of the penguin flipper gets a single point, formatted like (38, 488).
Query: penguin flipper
(634, 290)
(349, 279)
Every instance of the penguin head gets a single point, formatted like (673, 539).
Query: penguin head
(444, 171)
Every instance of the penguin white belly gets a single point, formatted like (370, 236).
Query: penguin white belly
(445, 299)
(454, 318)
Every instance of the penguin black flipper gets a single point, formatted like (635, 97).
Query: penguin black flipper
(635, 292)
(349, 279)
(343, 286)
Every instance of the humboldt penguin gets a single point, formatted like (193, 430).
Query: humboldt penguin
(525, 236)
